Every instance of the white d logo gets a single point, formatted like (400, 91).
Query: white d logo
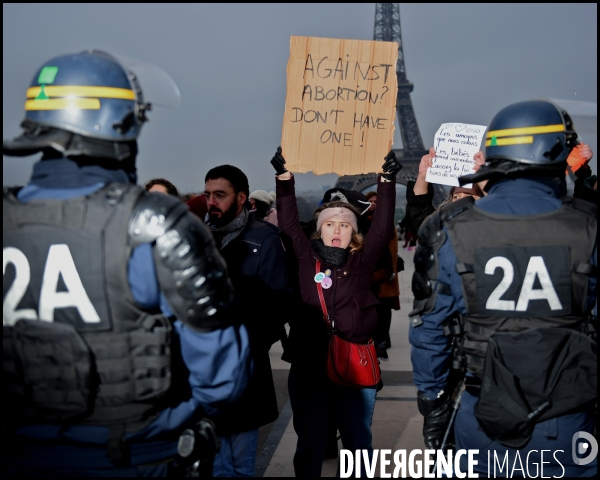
(584, 447)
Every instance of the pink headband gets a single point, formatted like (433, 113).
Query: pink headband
(344, 215)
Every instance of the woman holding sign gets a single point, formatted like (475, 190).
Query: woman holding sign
(339, 318)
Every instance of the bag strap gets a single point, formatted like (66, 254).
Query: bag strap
(326, 318)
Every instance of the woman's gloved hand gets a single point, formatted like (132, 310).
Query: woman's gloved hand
(278, 162)
(391, 167)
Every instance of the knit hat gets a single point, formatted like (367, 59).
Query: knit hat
(262, 196)
(342, 214)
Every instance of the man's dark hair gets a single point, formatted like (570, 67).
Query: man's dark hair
(234, 175)
(171, 189)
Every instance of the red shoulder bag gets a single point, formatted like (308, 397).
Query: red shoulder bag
(348, 364)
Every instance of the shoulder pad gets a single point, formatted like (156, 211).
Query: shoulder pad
(431, 232)
(191, 272)
(584, 206)
(152, 216)
(456, 208)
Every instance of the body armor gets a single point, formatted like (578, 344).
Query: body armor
(94, 356)
(525, 292)
(515, 277)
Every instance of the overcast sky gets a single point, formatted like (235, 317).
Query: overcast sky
(467, 61)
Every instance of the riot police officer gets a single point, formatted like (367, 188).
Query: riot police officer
(518, 267)
(114, 298)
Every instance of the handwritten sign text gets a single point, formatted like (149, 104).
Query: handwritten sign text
(340, 105)
(455, 146)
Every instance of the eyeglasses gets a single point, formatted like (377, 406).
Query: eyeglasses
(218, 196)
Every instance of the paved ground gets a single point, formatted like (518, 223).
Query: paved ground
(397, 423)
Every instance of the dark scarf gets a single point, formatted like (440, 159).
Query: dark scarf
(225, 234)
(69, 173)
(331, 255)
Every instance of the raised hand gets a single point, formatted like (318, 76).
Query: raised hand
(391, 167)
(426, 161)
(479, 158)
(585, 151)
(278, 162)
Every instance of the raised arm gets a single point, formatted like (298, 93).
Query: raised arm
(422, 185)
(287, 208)
(380, 232)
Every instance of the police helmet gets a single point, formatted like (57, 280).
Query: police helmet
(532, 138)
(94, 96)
(533, 132)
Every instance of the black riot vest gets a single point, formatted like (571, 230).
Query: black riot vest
(76, 347)
(520, 273)
(525, 283)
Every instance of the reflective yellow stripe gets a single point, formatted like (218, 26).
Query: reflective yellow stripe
(524, 131)
(500, 142)
(74, 91)
(63, 104)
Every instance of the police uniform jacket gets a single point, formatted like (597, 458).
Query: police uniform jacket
(217, 361)
(431, 353)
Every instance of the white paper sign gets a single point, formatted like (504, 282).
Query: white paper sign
(455, 146)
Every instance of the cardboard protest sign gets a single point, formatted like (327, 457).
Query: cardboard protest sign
(340, 105)
(455, 145)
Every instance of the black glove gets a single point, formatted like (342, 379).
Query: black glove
(198, 444)
(391, 167)
(436, 415)
(278, 162)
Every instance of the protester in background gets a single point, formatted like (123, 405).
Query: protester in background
(161, 185)
(272, 215)
(185, 197)
(349, 260)
(511, 277)
(256, 265)
(410, 236)
(387, 288)
(420, 196)
(263, 206)
(198, 206)
(120, 341)
(401, 228)
(372, 198)
(586, 184)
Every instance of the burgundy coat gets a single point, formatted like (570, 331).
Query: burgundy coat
(350, 301)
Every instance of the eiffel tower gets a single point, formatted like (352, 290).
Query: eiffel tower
(387, 28)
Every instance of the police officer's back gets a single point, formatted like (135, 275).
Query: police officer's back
(519, 267)
(114, 339)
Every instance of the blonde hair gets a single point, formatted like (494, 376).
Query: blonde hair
(356, 243)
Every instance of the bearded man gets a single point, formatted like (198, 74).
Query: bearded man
(256, 264)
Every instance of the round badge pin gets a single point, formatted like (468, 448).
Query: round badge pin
(319, 277)
(326, 282)
(328, 273)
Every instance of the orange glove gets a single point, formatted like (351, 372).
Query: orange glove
(576, 158)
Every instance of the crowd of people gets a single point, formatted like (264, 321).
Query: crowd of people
(158, 309)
